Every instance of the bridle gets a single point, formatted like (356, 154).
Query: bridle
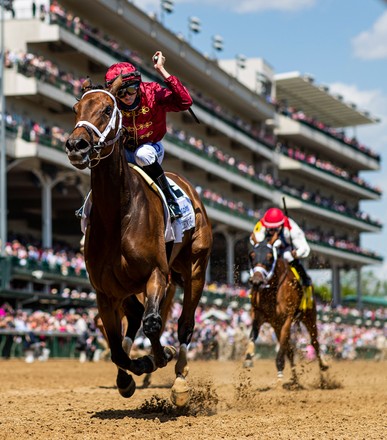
(92, 129)
(267, 275)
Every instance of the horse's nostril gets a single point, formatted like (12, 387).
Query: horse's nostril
(78, 144)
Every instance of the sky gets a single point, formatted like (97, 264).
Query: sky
(341, 43)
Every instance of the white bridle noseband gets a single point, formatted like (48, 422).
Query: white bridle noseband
(103, 135)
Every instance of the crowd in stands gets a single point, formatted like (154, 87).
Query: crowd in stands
(85, 30)
(298, 154)
(68, 261)
(55, 136)
(60, 257)
(220, 332)
(242, 167)
(46, 70)
(338, 134)
(81, 27)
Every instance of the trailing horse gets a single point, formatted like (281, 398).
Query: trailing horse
(125, 251)
(276, 295)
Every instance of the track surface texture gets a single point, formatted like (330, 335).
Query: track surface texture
(65, 399)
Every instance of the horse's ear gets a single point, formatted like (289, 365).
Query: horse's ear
(113, 89)
(86, 85)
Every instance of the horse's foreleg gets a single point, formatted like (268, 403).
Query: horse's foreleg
(152, 322)
(283, 336)
(250, 351)
(110, 313)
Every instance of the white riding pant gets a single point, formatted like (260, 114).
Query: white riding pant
(146, 154)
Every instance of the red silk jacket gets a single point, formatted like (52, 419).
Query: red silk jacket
(148, 122)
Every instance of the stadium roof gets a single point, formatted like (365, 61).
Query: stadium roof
(301, 92)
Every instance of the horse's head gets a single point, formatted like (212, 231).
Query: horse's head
(98, 125)
(264, 260)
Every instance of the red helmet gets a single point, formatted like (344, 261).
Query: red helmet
(127, 70)
(273, 218)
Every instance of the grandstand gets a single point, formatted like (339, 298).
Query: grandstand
(258, 141)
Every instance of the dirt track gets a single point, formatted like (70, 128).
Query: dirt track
(69, 400)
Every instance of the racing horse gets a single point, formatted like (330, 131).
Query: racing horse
(126, 256)
(275, 298)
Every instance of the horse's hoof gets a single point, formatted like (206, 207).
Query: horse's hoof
(180, 392)
(248, 363)
(125, 384)
(324, 367)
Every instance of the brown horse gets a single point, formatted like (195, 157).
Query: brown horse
(275, 298)
(125, 251)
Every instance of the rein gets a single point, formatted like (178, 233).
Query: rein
(90, 128)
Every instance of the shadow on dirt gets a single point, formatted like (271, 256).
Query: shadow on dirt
(203, 402)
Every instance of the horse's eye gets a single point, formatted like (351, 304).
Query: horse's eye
(108, 110)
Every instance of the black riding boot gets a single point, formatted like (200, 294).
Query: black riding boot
(157, 174)
(306, 279)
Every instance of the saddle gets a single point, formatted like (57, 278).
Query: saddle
(173, 231)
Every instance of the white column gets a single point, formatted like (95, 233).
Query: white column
(336, 287)
(47, 213)
(358, 288)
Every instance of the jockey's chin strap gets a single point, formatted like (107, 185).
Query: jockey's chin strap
(102, 136)
(267, 276)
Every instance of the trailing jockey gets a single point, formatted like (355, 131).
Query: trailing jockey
(294, 244)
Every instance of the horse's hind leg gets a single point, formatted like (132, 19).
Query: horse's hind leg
(283, 336)
(310, 321)
(193, 288)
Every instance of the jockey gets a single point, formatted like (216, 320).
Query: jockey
(294, 244)
(144, 107)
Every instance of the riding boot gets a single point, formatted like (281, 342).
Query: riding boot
(306, 279)
(157, 174)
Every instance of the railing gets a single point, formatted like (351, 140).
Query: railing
(61, 345)
(64, 346)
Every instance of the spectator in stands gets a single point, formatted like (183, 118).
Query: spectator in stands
(144, 106)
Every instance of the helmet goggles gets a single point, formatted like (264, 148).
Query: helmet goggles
(128, 89)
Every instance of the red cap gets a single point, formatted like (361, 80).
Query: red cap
(127, 70)
(273, 218)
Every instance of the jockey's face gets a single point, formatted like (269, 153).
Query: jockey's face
(273, 231)
(129, 93)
